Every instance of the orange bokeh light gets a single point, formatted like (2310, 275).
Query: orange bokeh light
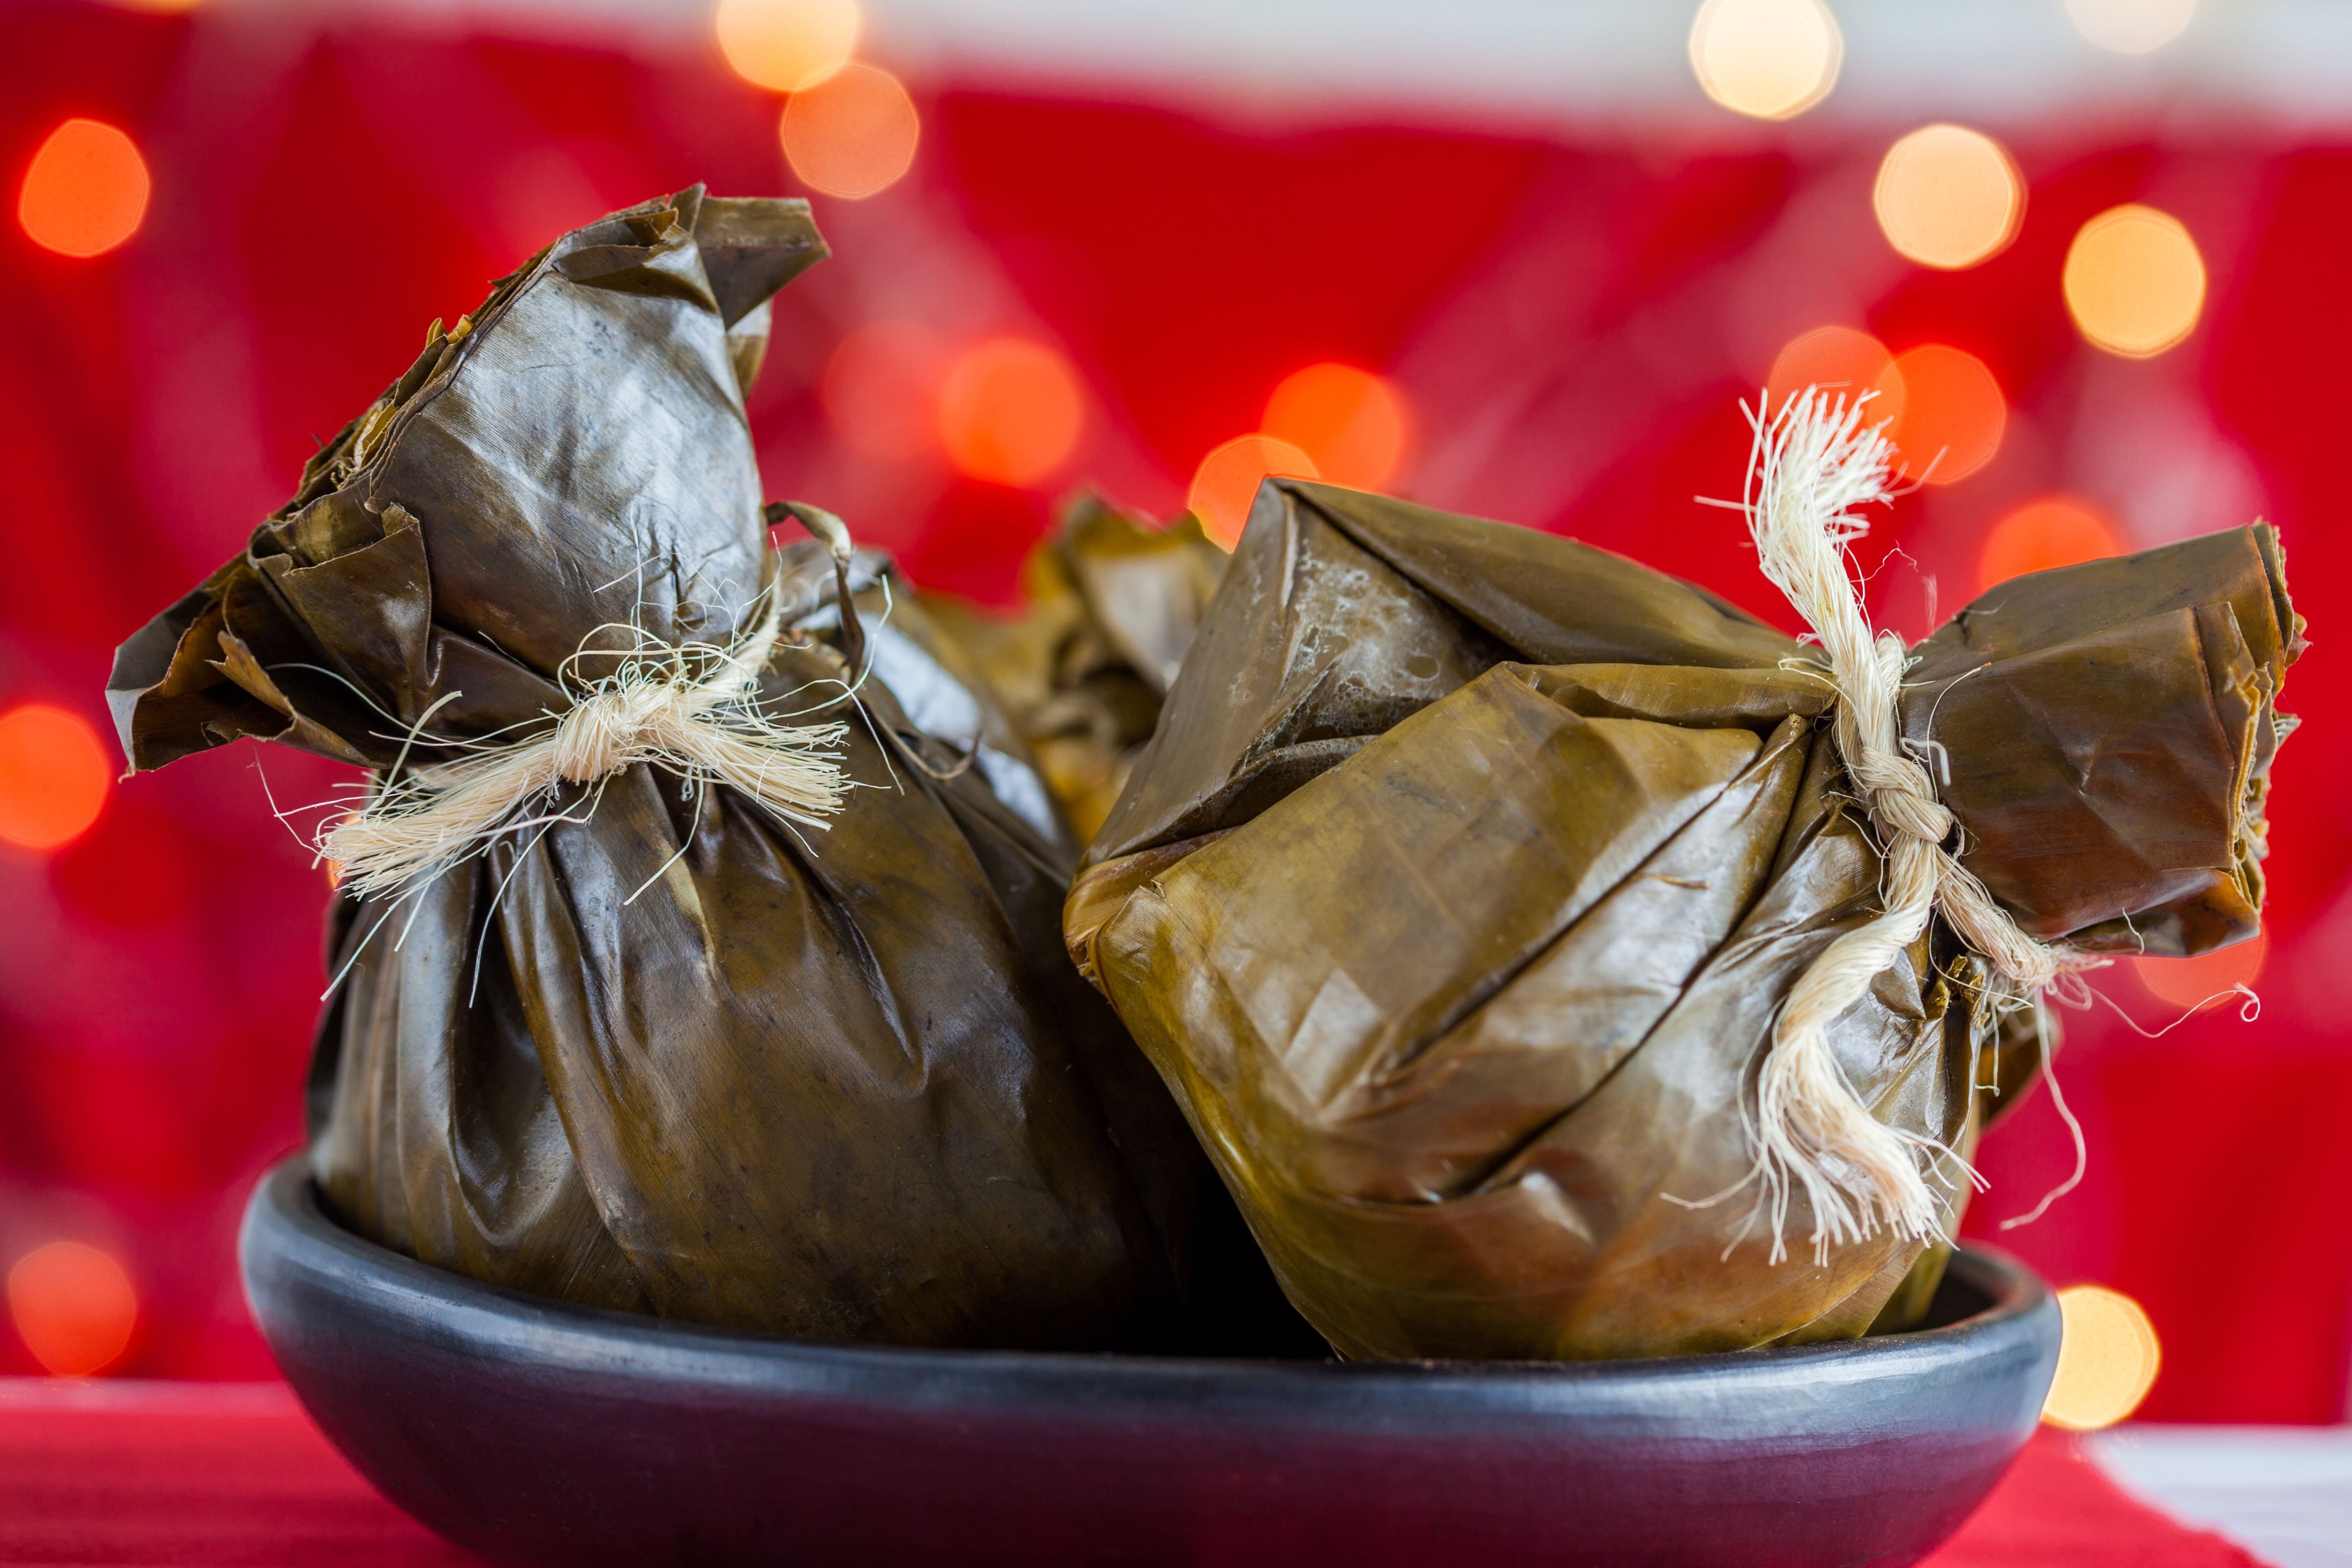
(1011, 410)
(1844, 363)
(1953, 413)
(84, 191)
(2190, 982)
(1228, 477)
(53, 776)
(73, 1306)
(1354, 426)
(2054, 531)
(881, 391)
(853, 134)
(787, 45)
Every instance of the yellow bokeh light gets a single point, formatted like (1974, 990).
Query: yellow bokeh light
(2134, 281)
(1768, 59)
(787, 45)
(853, 134)
(2107, 1363)
(1948, 197)
(2131, 27)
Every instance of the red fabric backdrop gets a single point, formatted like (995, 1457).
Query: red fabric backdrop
(1573, 320)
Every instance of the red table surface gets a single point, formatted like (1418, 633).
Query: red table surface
(235, 1473)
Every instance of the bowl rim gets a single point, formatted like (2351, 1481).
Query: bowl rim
(289, 1242)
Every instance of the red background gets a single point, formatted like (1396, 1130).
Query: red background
(1574, 319)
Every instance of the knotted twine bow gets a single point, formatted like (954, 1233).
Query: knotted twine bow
(1811, 466)
(692, 711)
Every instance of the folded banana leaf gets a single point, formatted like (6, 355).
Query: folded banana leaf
(1111, 607)
(668, 1051)
(1456, 895)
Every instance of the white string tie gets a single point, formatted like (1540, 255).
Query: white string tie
(1811, 466)
(691, 711)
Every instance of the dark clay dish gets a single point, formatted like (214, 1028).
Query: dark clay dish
(537, 1432)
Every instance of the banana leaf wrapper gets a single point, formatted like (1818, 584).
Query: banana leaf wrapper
(1457, 892)
(668, 1053)
(1110, 608)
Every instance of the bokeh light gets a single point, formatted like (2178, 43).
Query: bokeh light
(787, 45)
(1844, 363)
(2107, 1363)
(1011, 410)
(2131, 27)
(1352, 425)
(1767, 58)
(1228, 477)
(1948, 196)
(880, 391)
(2191, 982)
(86, 189)
(2044, 534)
(2134, 280)
(853, 134)
(54, 775)
(333, 868)
(1952, 413)
(73, 1306)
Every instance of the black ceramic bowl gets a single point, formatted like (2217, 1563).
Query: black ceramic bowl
(538, 1432)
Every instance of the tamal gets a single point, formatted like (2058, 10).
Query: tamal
(1110, 608)
(1457, 894)
(658, 1046)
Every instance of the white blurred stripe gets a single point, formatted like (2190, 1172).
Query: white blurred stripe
(2284, 1493)
(1563, 61)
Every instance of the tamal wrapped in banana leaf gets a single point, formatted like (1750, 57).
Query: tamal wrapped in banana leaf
(1111, 607)
(664, 1049)
(1458, 891)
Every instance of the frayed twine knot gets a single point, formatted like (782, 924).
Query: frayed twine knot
(1811, 466)
(692, 711)
(641, 716)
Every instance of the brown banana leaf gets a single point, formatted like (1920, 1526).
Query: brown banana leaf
(670, 1053)
(1456, 895)
(1111, 607)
